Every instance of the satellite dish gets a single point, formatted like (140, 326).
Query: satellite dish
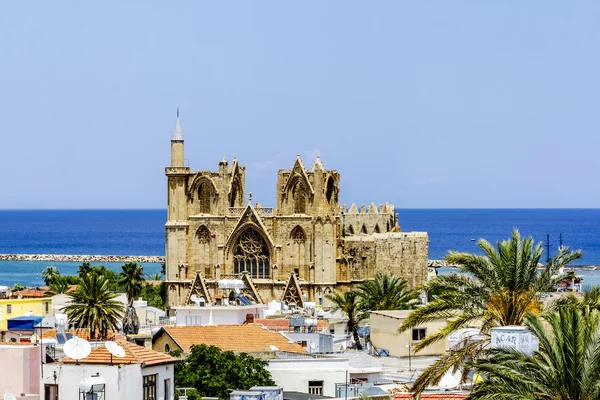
(450, 380)
(115, 349)
(77, 348)
(194, 298)
(237, 290)
(273, 348)
(312, 345)
(9, 396)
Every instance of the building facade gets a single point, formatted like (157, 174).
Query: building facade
(305, 247)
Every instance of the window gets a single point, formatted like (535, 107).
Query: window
(204, 194)
(167, 348)
(167, 388)
(149, 387)
(9, 308)
(50, 392)
(315, 387)
(192, 320)
(46, 307)
(252, 255)
(299, 196)
(419, 334)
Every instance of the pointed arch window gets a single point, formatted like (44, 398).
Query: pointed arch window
(363, 229)
(204, 194)
(299, 195)
(350, 230)
(234, 194)
(298, 235)
(377, 230)
(251, 255)
(203, 234)
(330, 189)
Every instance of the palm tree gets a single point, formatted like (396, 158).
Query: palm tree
(58, 285)
(387, 292)
(84, 269)
(49, 274)
(348, 303)
(157, 276)
(566, 367)
(93, 306)
(500, 288)
(589, 301)
(131, 280)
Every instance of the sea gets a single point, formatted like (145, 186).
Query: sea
(142, 232)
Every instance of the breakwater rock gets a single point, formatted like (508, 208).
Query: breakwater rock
(81, 258)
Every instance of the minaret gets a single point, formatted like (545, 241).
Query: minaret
(177, 214)
(177, 145)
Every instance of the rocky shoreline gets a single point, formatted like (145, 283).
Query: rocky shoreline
(81, 258)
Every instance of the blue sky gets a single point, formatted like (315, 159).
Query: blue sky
(422, 104)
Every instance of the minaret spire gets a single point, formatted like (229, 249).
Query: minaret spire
(177, 134)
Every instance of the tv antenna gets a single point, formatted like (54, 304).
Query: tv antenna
(77, 349)
(9, 396)
(114, 349)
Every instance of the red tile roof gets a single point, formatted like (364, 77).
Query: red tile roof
(134, 354)
(82, 333)
(238, 338)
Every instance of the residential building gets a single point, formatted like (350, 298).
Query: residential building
(15, 307)
(20, 364)
(142, 374)
(385, 336)
(193, 315)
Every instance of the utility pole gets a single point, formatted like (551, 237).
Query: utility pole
(548, 248)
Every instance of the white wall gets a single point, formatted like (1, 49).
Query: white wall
(294, 374)
(122, 382)
(221, 315)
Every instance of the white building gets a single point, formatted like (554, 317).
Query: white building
(141, 374)
(194, 315)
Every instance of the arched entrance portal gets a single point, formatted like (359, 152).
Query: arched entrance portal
(251, 254)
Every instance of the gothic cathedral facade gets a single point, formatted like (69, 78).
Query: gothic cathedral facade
(300, 250)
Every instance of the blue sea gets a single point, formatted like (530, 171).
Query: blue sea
(141, 232)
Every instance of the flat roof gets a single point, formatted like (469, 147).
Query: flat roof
(399, 314)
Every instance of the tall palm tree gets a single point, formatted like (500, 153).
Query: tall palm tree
(83, 269)
(58, 285)
(500, 287)
(387, 292)
(132, 277)
(348, 303)
(93, 306)
(49, 274)
(566, 367)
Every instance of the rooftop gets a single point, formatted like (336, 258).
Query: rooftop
(399, 314)
(134, 354)
(238, 338)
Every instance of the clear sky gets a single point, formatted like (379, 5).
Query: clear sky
(422, 104)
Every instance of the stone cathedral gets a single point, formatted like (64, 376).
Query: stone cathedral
(300, 250)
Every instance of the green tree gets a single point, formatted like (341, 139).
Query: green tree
(131, 279)
(500, 288)
(83, 269)
(49, 274)
(566, 367)
(17, 287)
(349, 304)
(154, 295)
(387, 292)
(215, 373)
(157, 276)
(93, 306)
(58, 285)
(589, 301)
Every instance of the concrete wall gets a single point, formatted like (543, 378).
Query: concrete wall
(323, 343)
(221, 315)
(384, 335)
(122, 382)
(20, 369)
(294, 374)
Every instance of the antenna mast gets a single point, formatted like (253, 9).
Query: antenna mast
(548, 248)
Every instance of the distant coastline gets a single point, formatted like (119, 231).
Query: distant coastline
(81, 258)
